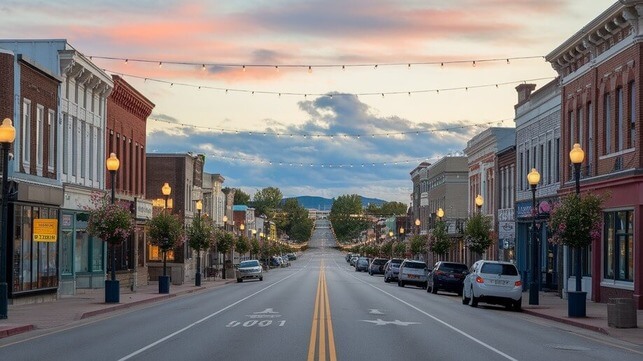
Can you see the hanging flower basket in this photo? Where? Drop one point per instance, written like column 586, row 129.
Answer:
column 577, row 221
column 110, row 222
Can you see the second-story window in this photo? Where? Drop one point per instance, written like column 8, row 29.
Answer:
column 40, row 130
column 618, row 130
column 608, row 123
column 632, row 93
column 26, row 131
column 51, row 142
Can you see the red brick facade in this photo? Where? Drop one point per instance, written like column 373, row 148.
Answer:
column 127, row 112
column 601, row 109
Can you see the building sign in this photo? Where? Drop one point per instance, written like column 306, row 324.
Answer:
column 506, row 228
column 45, row 230
column 144, row 209
column 523, row 210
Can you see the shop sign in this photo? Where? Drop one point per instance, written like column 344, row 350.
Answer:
column 144, row 209
column 45, row 230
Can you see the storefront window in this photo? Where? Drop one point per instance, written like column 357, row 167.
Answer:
column 97, row 255
column 81, row 252
column 34, row 263
column 618, row 247
column 155, row 254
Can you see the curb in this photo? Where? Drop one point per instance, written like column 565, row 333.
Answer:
column 567, row 321
column 10, row 331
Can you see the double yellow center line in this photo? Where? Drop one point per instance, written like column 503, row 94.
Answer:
column 321, row 331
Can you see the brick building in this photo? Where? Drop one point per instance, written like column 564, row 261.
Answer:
column 29, row 97
column 183, row 172
column 481, row 156
column 600, row 70
column 420, row 198
column 537, row 118
column 127, row 112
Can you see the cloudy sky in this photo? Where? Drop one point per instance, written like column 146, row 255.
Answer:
column 319, row 97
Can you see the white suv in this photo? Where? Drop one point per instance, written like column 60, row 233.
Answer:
column 412, row 272
column 493, row 282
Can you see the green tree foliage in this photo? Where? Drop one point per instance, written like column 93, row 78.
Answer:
column 399, row 249
column 388, row 209
column 267, row 200
column 242, row 245
column 418, row 244
column 347, row 218
column 440, row 242
column 386, row 249
column 241, row 197
column 255, row 248
column 293, row 220
column 225, row 241
column 110, row 222
column 476, row 233
column 577, row 221
column 200, row 233
column 165, row 231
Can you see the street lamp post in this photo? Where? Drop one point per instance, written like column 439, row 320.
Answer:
column 479, row 203
column 112, row 287
column 402, row 233
column 440, row 214
column 417, row 226
column 197, row 276
column 533, row 178
column 7, row 136
column 225, row 229
column 577, row 300
column 164, row 280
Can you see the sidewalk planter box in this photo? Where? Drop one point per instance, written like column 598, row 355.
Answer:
column 164, row 284
column 621, row 313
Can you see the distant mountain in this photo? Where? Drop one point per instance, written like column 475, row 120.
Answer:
column 325, row 204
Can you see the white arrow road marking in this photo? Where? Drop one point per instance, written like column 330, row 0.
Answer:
column 374, row 311
column 381, row 322
column 267, row 310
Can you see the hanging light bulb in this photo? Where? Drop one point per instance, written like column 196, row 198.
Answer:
column 203, row 67
column 243, row 68
column 473, row 63
column 310, row 69
column 343, row 67
column 160, row 64
column 126, row 61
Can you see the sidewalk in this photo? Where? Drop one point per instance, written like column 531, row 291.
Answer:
column 88, row 303
column 554, row 308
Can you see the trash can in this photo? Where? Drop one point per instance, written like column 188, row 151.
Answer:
column 621, row 313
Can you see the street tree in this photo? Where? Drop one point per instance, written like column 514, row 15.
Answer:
column 199, row 236
column 165, row 231
column 399, row 249
column 242, row 245
column 417, row 245
column 387, row 209
column 477, row 234
column 347, row 217
column 267, row 200
column 440, row 243
column 225, row 242
column 241, row 197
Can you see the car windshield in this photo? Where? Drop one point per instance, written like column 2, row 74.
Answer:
column 396, row 261
column 246, row 264
column 415, row 265
column 379, row 261
column 453, row 267
column 363, row 261
column 499, row 269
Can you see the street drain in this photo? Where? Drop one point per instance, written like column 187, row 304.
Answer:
column 569, row 348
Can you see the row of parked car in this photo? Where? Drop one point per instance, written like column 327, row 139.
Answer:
column 487, row 281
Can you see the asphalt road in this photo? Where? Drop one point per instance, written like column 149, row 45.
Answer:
column 318, row 309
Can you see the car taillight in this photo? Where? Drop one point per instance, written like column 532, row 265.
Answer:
column 518, row 283
column 439, row 273
column 479, row 280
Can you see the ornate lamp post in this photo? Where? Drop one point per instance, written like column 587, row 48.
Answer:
column 417, row 226
column 166, row 190
column 577, row 300
column 112, row 287
column 164, row 280
column 197, row 276
column 479, row 203
column 402, row 233
column 440, row 214
column 534, row 178
column 7, row 136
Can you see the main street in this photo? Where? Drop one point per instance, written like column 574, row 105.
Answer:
column 317, row 309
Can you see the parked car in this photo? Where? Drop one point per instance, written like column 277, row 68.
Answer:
column 448, row 276
column 291, row 256
column 391, row 269
column 348, row 257
column 493, row 282
column 377, row 266
column 353, row 260
column 362, row 264
column 248, row 270
column 412, row 272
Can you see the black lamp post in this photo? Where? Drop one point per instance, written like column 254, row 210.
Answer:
column 164, row 280
column 7, row 136
column 225, row 229
column 479, row 203
column 112, row 287
column 417, row 226
column 533, row 178
column 197, row 276
column 576, row 306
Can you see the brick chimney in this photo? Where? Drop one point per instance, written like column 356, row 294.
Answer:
column 524, row 91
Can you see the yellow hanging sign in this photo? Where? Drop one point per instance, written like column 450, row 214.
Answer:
column 45, row 230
